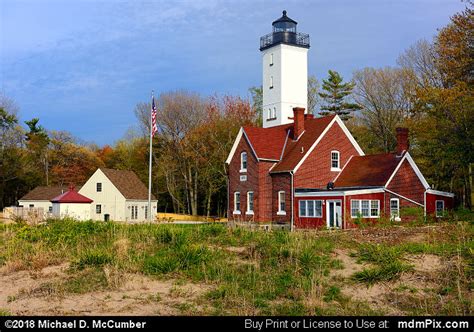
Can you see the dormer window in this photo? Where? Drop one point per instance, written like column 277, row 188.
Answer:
column 335, row 161
column 243, row 162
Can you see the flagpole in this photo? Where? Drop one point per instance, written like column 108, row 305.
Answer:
column 149, row 161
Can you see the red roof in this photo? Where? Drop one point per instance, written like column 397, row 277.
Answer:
column 268, row 143
column 296, row 150
column 71, row 196
column 371, row 170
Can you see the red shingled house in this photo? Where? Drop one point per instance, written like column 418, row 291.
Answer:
column 312, row 173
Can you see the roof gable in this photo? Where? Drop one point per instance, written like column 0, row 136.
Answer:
column 127, row 183
column 415, row 168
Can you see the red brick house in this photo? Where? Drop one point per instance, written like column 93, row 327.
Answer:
column 312, row 173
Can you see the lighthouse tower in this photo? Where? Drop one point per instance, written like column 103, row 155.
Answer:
column 285, row 71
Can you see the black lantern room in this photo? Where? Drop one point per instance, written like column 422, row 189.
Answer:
column 284, row 32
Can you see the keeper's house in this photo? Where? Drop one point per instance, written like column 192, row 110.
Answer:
column 310, row 172
column 108, row 194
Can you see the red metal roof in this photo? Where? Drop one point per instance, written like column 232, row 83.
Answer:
column 371, row 170
column 71, row 196
column 296, row 150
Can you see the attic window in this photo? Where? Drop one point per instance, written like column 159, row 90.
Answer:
column 243, row 162
column 99, row 187
column 335, row 161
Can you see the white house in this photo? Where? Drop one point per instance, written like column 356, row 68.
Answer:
column 71, row 204
column 41, row 197
column 118, row 195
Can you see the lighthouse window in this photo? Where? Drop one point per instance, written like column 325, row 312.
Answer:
column 271, row 82
column 271, row 59
column 274, row 113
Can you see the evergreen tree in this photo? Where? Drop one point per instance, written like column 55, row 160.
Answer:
column 335, row 97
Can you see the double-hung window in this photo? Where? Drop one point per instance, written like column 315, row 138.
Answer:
column 394, row 208
column 99, row 187
column 335, row 161
column 281, row 203
column 365, row 208
column 250, row 202
column 236, row 202
column 243, row 162
column 439, row 208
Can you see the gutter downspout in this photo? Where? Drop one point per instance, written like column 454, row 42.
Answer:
column 424, row 204
column 292, row 203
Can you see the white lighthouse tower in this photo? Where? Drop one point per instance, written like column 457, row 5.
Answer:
column 285, row 71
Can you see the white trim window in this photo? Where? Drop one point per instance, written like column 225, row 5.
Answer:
column 374, row 208
column 335, row 160
column 99, row 187
column 243, row 162
column 311, row 208
column 236, row 202
column 439, row 208
column 365, row 208
column 355, row 208
column 134, row 212
column 249, row 202
column 274, row 116
column 281, row 203
column 269, row 116
column 394, row 208
column 98, row 209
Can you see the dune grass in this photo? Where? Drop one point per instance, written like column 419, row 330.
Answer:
column 250, row 272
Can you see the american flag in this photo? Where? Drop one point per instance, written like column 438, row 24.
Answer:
column 154, row 128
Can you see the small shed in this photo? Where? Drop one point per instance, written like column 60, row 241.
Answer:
column 72, row 204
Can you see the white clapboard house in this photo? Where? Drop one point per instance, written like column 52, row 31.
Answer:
column 117, row 195
column 114, row 195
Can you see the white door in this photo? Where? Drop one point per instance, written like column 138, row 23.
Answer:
column 334, row 214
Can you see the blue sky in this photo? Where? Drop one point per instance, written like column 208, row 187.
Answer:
column 82, row 65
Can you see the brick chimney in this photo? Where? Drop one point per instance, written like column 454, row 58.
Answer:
column 298, row 122
column 402, row 140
